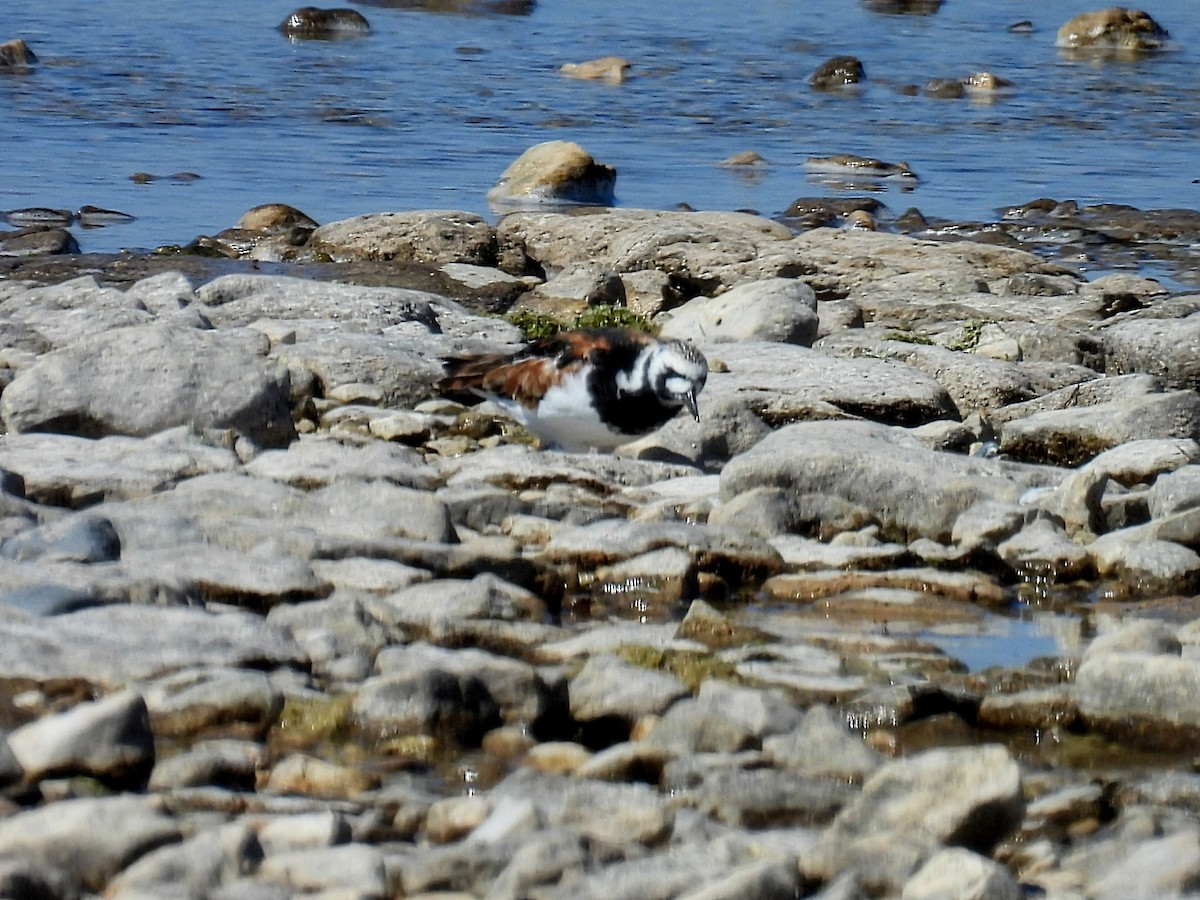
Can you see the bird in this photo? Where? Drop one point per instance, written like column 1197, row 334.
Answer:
column 594, row 388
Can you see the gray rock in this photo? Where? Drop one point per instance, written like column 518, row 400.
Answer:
column 1114, row 389
column 723, row 719
column 727, row 427
column 775, row 309
column 1143, row 460
column 524, row 697
column 766, row 798
column 433, row 237
column 185, row 702
column 356, row 870
column 356, row 510
column 520, row 468
column 222, row 763
column 660, row 877
column 53, row 311
column 257, row 580
column 1150, row 698
column 162, row 294
column 338, row 635
column 193, row 868
column 610, row 540
column 88, row 840
column 969, row 797
column 401, row 367
column 237, row 300
column 973, row 381
column 64, row 470
column 141, row 380
column 764, row 512
column 783, row 383
column 82, row 538
column 29, row 880
column 611, row 815
column 1152, row 866
column 1042, row 550
column 610, row 688
column 1073, row 436
column 959, row 873
column 765, row 880
column 541, row 859
column 1168, row 349
column 1175, row 491
column 908, row 489
column 108, row 645
column 437, row 606
column 313, row 462
column 109, row 740
column 988, row 522
column 429, row 702
column 1150, row 565
column 823, row 747
column 706, row 251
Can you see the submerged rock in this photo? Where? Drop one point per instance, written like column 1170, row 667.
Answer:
column 837, row 72
column 613, row 69
column 309, row 22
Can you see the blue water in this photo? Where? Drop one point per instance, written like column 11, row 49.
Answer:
column 430, row 108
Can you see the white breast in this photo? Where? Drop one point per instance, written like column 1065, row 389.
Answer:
column 566, row 418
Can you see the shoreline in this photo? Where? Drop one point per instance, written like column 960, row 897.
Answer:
column 305, row 626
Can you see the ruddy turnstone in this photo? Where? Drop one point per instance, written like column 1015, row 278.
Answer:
column 594, row 388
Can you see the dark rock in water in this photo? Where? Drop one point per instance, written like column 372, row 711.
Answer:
column 945, row 88
column 460, row 7
column 95, row 217
column 837, row 72
column 312, row 23
column 904, row 7
column 814, row 212
column 15, row 55
column 35, row 216
column 849, row 166
column 37, row 242
column 1115, row 29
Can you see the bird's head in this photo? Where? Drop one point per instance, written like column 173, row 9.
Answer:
column 678, row 372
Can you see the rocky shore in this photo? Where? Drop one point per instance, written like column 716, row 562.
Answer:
column 279, row 621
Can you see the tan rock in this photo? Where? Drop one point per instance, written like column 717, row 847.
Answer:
column 16, row 54
column 613, row 69
column 1115, row 28
column 274, row 217
column 555, row 172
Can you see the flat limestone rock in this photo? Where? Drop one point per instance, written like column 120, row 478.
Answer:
column 144, row 379
column 435, row 237
column 705, row 250
column 907, row 488
column 112, row 645
column 783, row 383
column 68, row 470
column 1071, row 437
column 89, row 839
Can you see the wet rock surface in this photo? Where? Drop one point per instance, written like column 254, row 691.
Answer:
column 910, row 612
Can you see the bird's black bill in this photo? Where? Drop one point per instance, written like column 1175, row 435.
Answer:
column 690, row 400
